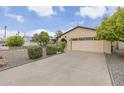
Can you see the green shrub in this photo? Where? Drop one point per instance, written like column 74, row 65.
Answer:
column 34, row 52
column 51, row 50
column 14, row 41
column 61, row 46
column 60, row 49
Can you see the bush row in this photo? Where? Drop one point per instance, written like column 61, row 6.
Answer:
column 36, row 51
column 61, row 46
column 50, row 50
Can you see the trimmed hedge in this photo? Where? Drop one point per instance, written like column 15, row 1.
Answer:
column 34, row 52
column 50, row 50
column 61, row 47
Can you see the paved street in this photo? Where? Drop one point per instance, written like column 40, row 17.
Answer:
column 72, row 68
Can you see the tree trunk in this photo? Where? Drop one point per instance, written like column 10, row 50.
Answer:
column 44, row 51
column 117, row 47
column 111, row 46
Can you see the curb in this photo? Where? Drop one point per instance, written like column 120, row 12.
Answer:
column 110, row 72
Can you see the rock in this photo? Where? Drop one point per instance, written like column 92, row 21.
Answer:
column 3, row 62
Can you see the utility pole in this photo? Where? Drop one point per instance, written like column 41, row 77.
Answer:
column 5, row 27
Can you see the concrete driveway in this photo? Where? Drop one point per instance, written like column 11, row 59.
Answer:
column 72, row 68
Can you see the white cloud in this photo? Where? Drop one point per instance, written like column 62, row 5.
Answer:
column 14, row 16
column 61, row 8
column 9, row 33
column 95, row 12
column 37, row 31
column 42, row 10
column 111, row 10
column 92, row 12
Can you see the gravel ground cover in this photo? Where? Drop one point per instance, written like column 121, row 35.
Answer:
column 15, row 57
column 116, row 66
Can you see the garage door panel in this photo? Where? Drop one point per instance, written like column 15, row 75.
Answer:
column 88, row 45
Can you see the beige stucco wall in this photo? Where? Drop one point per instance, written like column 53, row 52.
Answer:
column 107, row 46
column 121, row 45
column 78, row 32
column 85, row 45
column 118, row 44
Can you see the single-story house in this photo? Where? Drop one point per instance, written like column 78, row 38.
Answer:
column 83, row 39
column 28, row 41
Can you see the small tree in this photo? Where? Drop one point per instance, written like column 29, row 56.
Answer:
column 42, row 39
column 112, row 28
column 15, row 41
column 59, row 33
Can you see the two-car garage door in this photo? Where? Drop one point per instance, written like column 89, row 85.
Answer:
column 91, row 45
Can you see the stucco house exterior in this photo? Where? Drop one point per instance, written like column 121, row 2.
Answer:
column 83, row 39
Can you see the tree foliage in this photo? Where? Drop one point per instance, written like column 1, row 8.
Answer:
column 42, row 39
column 14, row 41
column 112, row 28
column 35, row 38
column 61, row 46
column 59, row 33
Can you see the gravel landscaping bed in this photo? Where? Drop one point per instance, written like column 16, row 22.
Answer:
column 15, row 57
column 116, row 66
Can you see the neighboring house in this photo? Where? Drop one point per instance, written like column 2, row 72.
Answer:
column 83, row 39
column 52, row 39
column 27, row 38
column 28, row 41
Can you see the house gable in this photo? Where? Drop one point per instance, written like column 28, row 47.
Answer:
column 78, row 32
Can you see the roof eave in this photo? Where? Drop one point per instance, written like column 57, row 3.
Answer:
column 75, row 28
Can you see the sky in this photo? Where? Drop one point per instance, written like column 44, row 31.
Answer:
column 29, row 20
